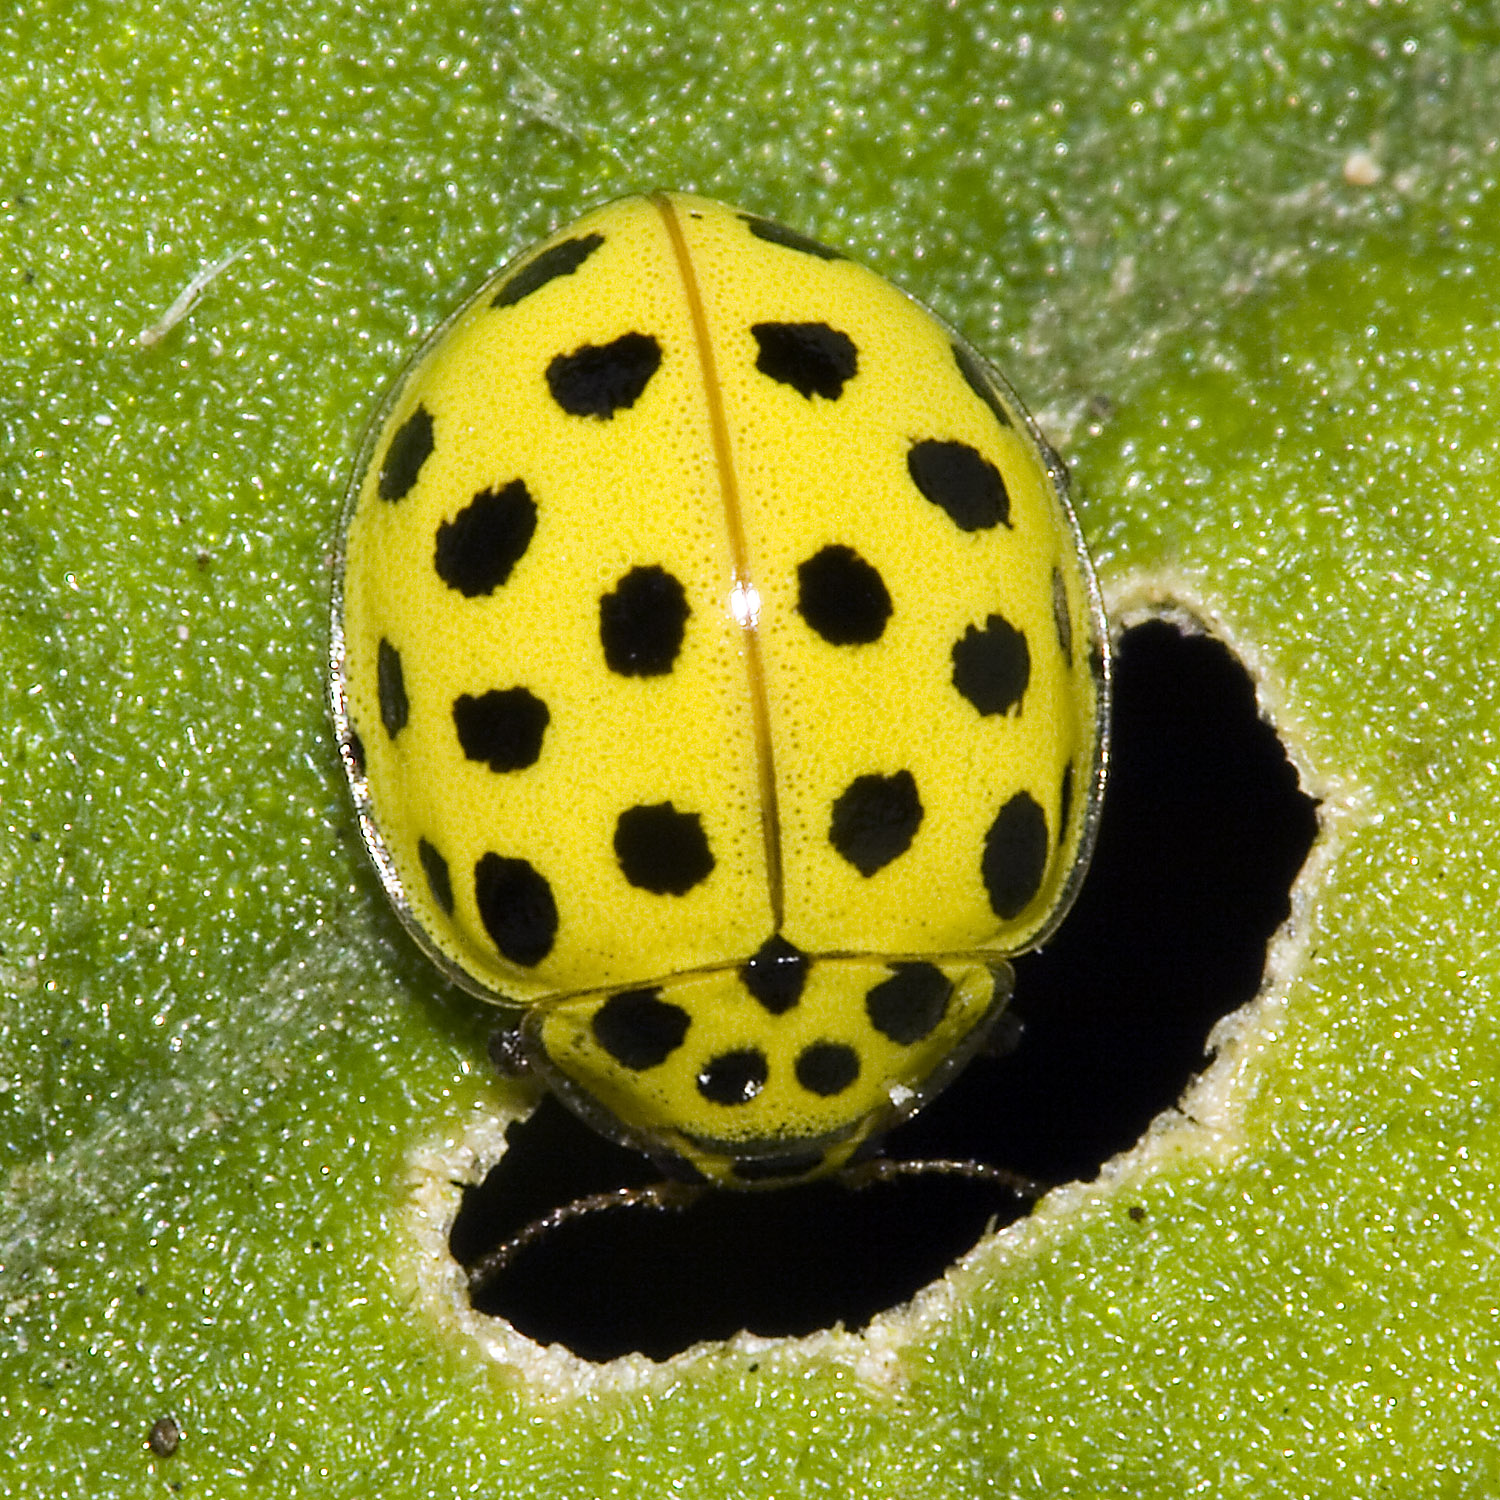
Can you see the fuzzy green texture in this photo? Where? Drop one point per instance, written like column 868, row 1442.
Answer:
column 216, row 1048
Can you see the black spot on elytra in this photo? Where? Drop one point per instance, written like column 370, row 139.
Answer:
column 560, row 260
column 1062, row 618
column 639, row 1029
column 503, row 727
column 600, row 380
column 477, row 549
column 1015, row 856
column 435, row 868
column 641, row 622
column 908, row 1006
column 1065, row 801
column 842, row 597
column 875, row 819
column 977, row 378
column 812, row 358
column 827, row 1068
column 791, row 239
column 517, row 908
column 991, row 666
column 775, row 974
column 734, row 1077
column 662, row 850
column 407, row 451
column 961, row 481
column 390, row 687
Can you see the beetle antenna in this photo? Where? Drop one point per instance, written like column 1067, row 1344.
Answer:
column 664, row 1195
column 884, row 1169
column 676, row 1196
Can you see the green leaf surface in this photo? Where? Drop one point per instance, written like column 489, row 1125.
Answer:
column 1240, row 258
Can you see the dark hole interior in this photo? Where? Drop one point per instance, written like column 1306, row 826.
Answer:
column 1203, row 833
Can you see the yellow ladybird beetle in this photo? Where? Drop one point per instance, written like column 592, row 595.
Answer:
column 722, row 682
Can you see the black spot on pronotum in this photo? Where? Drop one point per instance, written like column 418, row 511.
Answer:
column 791, row 239
column 407, row 451
column 908, row 1006
column 662, row 850
column 991, row 666
column 775, row 974
column 977, row 378
column 1015, row 856
column 503, row 727
column 435, row 868
column 827, row 1068
column 875, row 819
column 478, row 548
column 641, row 622
column 812, row 358
column 733, row 1077
column 600, row 380
column 390, row 687
column 960, row 481
column 559, row 260
column 842, row 597
column 639, row 1029
column 517, row 908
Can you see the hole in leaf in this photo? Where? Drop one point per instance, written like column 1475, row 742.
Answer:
column 1203, row 833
